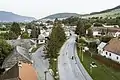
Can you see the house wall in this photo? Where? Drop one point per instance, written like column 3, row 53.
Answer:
column 96, row 33
column 41, row 41
column 100, row 51
column 117, row 34
column 110, row 55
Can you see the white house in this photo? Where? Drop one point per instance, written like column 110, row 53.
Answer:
column 110, row 50
column 113, row 26
column 42, row 31
column 96, row 31
column 67, row 33
column 49, row 26
column 117, row 34
column 41, row 39
column 22, row 28
column 102, row 31
column 29, row 31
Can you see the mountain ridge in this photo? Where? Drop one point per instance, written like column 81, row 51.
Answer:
column 113, row 12
column 61, row 15
column 12, row 17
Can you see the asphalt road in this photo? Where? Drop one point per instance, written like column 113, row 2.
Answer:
column 69, row 66
column 41, row 65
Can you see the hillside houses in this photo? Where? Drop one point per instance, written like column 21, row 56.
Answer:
column 110, row 50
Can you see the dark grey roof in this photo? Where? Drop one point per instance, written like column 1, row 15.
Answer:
column 19, row 54
column 12, row 73
column 26, row 43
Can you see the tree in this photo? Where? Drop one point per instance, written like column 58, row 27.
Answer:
column 15, row 28
column 57, row 39
column 80, row 29
column 12, row 35
column 39, row 30
column 34, row 33
column 5, row 50
column 55, row 42
column 90, row 33
column 87, row 25
column 8, row 35
column 25, row 35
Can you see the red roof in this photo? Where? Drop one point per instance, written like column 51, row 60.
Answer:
column 27, row 72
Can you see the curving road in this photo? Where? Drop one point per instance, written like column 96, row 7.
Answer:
column 69, row 66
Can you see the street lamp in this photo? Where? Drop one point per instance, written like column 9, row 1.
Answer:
column 45, row 75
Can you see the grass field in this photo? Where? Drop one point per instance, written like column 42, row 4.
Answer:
column 101, row 72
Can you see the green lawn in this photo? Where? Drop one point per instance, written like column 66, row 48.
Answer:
column 101, row 72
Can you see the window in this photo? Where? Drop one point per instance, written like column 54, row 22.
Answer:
column 117, row 57
column 106, row 53
column 110, row 54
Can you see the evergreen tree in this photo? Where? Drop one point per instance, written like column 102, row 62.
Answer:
column 90, row 33
column 80, row 29
column 57, row 39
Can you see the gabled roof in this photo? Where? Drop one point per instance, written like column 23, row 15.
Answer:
column 20, row 42
column 41, row 37
column 101, row 45
column 113, row 46
column 19, row 54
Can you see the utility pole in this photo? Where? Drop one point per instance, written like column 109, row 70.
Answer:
column 82, row 52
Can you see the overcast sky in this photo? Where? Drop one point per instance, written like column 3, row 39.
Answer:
column 42, row 8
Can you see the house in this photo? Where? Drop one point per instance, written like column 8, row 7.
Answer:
column 105, row 31
column 67, row 33
column 41, row 39
column 22, row 29
column 117, row 34
column 20, row 71
column 110, row 50
column 17, row 66
column 29, row 31
column 113, row 26
column 49, row 26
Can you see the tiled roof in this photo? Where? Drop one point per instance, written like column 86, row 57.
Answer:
column 113, row 46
